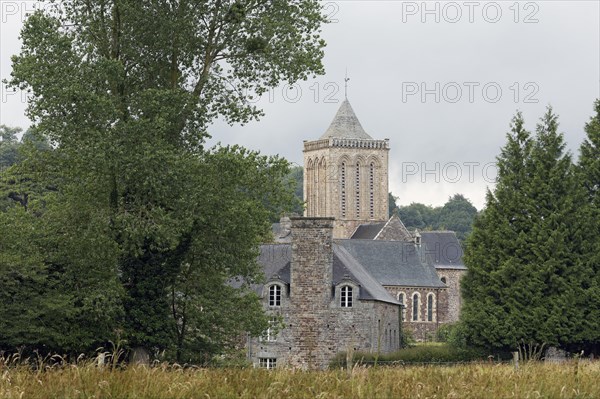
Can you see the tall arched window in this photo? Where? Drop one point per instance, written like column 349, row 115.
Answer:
column 372, row 190
column 430, row 307
column 346, row 297
column 415, row 309
column 401, row 300
column 309, row 190
column 357, row 189
column 275, row 295
column 343, row 188
column 322, row 188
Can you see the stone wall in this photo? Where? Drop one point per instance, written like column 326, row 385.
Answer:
column 311, row 279
column 328, row 164
column 315, row 324
column 368, row 326
column 451, row 297
column 422, row 329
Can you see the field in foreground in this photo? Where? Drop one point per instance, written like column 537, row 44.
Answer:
column 466, row 381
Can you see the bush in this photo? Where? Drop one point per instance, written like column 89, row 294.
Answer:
column 444, row 353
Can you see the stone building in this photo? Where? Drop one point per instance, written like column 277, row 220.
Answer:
column 346, row 275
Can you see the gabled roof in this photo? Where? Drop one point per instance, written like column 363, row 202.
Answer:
column 393, row 262
column 394, row 230
column 345, row 264
column 276, row 262
column 345, row 125
column 442, row 250
column 367, row 231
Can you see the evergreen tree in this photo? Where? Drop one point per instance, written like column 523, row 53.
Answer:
column 526, row 280
column 589, row 167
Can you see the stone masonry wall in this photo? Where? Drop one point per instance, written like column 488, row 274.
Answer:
column 322, row 188
column 451, row 296
column 422, row 329
column 311, row 280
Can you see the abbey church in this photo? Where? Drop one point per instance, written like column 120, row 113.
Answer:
column 346, row 276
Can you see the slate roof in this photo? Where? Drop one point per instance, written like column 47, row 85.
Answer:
column 346, row 264
column 442, row 250
column 393, row 262
column 367, row 231
column 276, row 262
column 345, row 125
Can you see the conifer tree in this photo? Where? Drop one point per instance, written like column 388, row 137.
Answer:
column 589, row 168
column 526, row 282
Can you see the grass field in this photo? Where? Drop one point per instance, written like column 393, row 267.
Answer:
column 536, row 380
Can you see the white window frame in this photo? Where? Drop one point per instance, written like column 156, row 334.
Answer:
column 274, row 295
column 268, row 363
column 346, row 297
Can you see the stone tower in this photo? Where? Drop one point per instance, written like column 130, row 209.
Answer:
column 346, row 175
column 311, row 282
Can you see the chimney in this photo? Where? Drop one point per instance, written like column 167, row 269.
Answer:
column 311, row 280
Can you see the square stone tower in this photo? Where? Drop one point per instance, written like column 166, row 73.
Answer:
column 311, row 282
column 346, row 175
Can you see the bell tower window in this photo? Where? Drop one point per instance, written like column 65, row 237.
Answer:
column 343, row 188
column 357, row 190
column 372, row 190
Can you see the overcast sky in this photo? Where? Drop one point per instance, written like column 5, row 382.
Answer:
column 441, row 80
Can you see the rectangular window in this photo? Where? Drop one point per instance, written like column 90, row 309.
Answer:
column 275, row 295
column 346, row 297
column 270, row 334
column 267, row 362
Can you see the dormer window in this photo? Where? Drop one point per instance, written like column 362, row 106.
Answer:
column 346, row 297
column 274, row 295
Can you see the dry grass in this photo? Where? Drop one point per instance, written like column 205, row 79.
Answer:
column 535, row 380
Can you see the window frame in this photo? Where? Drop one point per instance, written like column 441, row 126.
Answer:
column 268, row 363
column 346, row 296
column 416, row 298
column 274, row 295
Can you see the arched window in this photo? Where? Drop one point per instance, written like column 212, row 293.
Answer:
column 415, row 310
column 357, row 189
column 401, row 300
column 443, row 280
column 372, row 190
column 346, row 297
column 430, row 307
column 275, row 295
column 343, row 188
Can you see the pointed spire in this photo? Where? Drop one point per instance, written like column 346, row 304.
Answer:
column 345, row 125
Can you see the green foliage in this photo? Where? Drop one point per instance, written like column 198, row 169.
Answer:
column 589, row 173
column 392, row 206
column 527, row 279
column 295, row 179
column 416, row 354
column 9, row 144
column 137, row 219
column 457, row 215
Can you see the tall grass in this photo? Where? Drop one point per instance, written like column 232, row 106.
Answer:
column 87, row 380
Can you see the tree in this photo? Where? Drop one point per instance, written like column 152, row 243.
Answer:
column 392, row 206
column 526, row 278
column 457, row 215
column 589, row 167
column 126, row 91
column 9, row 144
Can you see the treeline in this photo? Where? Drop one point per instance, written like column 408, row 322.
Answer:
column 457, row 215
column 533, row 257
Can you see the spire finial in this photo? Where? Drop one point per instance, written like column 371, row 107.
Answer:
column 346, row 79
